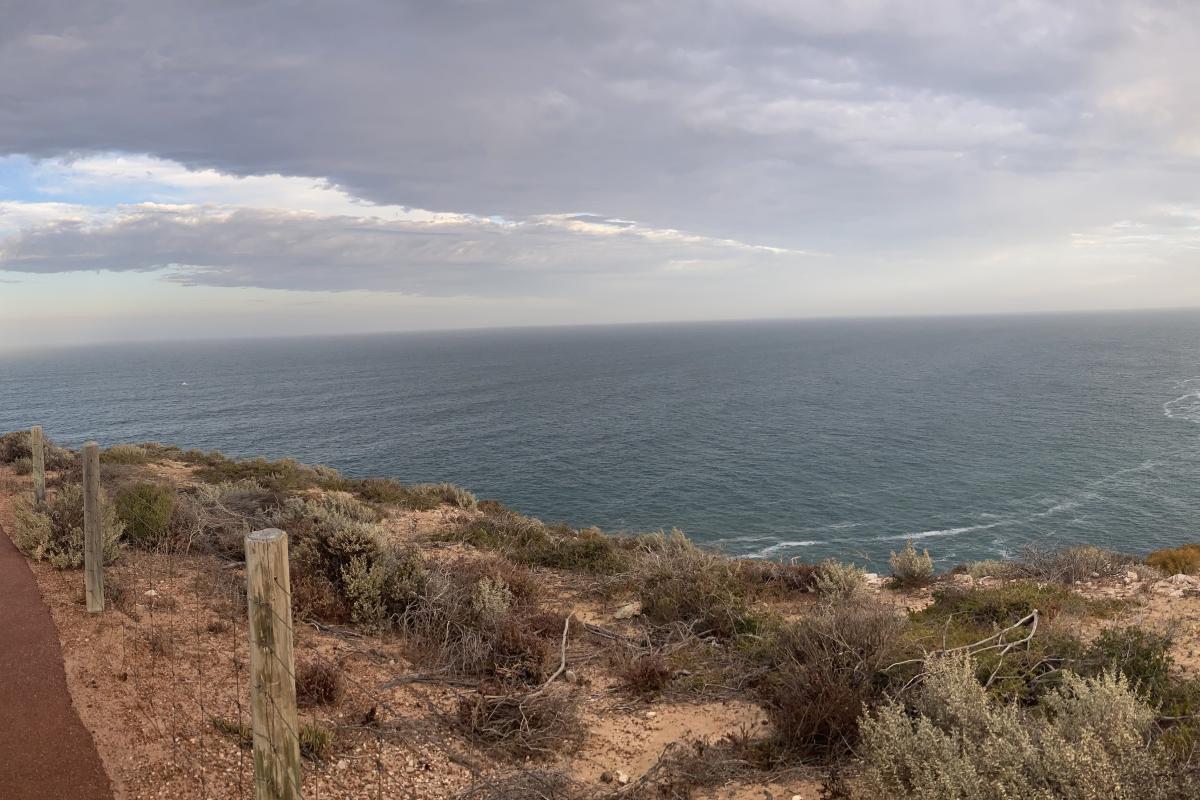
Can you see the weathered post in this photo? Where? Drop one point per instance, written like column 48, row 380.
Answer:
column 272, row 667
column 93, row 536
column 37, row 447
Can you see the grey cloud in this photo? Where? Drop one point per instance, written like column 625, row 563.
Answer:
column 286, row 250
column 848, row 127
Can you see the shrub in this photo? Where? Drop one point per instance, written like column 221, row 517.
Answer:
column 529, row 725
column 1142, row 657
column 419, row 497
column 124, row 454
column 16, row 445
column 469, row 620
column 1088, row 739
column 318, row 683
column 839, row 581
column 529, row 541
column 774, row 577
column 1182, row 560
column 316, row 742
column 1000, row 605
column 55, row 533
column 1072, row 564
column 146, row 510
column 226, row 512
column 679, row 582
column 824, row 669
column 647, row 675
column 23, row 465
column 279, row 476
column 381, row 586
column 911, row 569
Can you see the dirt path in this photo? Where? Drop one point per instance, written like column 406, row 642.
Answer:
column 45, row 752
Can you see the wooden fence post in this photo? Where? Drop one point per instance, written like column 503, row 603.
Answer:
column 272, row 667
column 37, row 447
column 93, row 536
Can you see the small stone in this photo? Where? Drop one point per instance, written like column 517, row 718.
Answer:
column 572, row 676
column 629, row 610
column 622, row 778
column 651, row 714
column 151, row 593
column 1095, row 574
column 342, row 763
column 607, row 777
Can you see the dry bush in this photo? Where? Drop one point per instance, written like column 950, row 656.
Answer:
column 526, row 784
column 1071, row 564
column 160, row 642
column 54, row 532
column 529, row 725
column 318, row 683
column 1091, row 738
column 16, row 445
column 679, row 582
column 647, row 674
column 1182, row 560
column 990, row 568
column 777, row 578
column 23, row 465
column 224, row 513
column 911, row 569
column 418, row 497
column 688, row 767
column 824, row 669
column 839, row 581
column 470, row 621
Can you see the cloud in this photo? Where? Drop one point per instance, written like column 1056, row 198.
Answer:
column 939, row 154
column 438, row 256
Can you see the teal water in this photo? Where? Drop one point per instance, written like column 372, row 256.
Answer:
column 973, row 436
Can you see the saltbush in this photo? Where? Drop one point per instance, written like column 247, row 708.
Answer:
column 911, row 569
column 838, row 580
column 1090, row 738
column 54, row 532
column 125, row 454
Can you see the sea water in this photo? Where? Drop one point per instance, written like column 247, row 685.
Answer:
column 972, row 437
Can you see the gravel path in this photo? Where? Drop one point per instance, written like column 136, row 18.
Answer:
column 45, row 752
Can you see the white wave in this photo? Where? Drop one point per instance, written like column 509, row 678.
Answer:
column 1186, row 407
column 775, row 548
column 942, row 532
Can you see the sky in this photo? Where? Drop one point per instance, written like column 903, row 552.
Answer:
column 173, row 169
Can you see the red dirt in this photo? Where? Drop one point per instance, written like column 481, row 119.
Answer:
column 45, row 752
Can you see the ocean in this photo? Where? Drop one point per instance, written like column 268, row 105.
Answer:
column 835, row 438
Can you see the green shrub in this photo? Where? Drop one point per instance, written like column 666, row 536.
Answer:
column 1091, row 738
column 54, row 533
column 911, row 569
column 1142, row 657
column 279, row 476
column 146, row 510
column 679, row 582
column 124, row 454
column 418, row 497
column 1000, row 605
column 1182, row 560
column 839, row 581
column 529, row 541
column 23, row 465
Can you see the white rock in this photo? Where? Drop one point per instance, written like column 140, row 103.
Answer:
column 622, row 778
column 151, row 593
column 963, row 579
column 629, row 610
